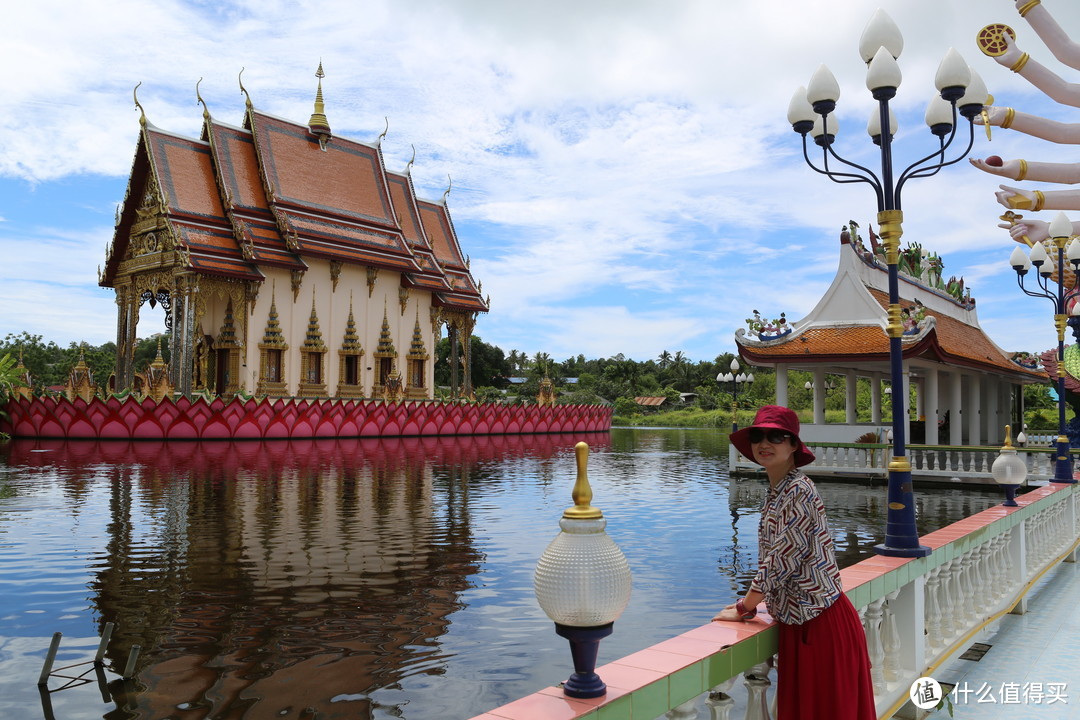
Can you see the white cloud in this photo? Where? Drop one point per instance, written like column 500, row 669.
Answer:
column 624, row 177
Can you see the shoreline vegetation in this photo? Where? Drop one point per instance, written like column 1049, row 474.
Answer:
column 671, row 391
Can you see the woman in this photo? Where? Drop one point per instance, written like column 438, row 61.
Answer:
column 823, row 669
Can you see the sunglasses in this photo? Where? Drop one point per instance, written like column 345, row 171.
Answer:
column 775, row 437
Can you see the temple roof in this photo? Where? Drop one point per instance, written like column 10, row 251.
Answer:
column 846, row 329
column 276, row 193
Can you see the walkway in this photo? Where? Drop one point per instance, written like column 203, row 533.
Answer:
column 1032, row 668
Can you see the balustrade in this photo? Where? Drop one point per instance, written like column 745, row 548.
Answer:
column 928, row 462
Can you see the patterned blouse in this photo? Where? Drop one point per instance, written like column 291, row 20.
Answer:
column 797, row 569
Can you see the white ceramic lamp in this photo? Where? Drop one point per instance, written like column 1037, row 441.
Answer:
column 582, row 582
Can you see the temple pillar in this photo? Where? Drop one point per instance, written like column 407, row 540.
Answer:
column 452, row 335
column 991, row 414
column 819, row 395
column 875, row 398
column 930, row 385
column 956, row 397
column 782, row 384
column 974, row 423
column 123, row 316
column 851, row 387
column 470, row 323
column 1021, row 409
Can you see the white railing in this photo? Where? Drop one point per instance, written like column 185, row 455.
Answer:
column 924, row 613
column 928, row 462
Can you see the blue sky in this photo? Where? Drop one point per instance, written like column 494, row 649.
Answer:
column 624, row 177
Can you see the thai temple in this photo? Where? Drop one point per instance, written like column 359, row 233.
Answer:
column 967, row 388
column 289, row 261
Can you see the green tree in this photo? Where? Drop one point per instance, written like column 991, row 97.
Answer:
column 489, row 366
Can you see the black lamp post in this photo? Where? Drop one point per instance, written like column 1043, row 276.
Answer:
column 735, row 378
column 811, row 112
column 1060, row 232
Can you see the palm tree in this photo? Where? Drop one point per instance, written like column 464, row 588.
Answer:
column 664, row 360
column 515, row 360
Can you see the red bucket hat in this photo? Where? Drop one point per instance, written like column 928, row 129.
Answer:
column 773, row 417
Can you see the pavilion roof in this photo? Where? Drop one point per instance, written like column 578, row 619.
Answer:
column 947, row 339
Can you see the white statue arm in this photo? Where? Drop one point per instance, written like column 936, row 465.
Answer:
column 1018, row 170
column 1048, row 30
column 1040, row 127
column 1038, row 75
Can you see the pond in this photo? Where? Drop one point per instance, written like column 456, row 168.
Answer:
column 350, row 578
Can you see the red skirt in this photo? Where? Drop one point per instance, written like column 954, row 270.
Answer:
column 823, row 669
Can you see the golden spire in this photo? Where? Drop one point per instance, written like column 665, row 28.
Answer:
column 417, row 351
column 318, row 124
column 313, row 341
column 386, row 343
column 351, row 342
column 582, row 493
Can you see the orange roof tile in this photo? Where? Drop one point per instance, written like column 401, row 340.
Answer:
column 346, row 178
column 186, row 175
column 238, row 167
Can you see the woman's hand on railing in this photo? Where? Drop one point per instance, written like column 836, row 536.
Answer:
column 728, row 614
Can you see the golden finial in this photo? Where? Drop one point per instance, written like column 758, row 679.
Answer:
column 240, row 79
column 318, row 124
column 142, row 113
column 1008, row 438
column 378, row 142
column 582, row 494
column 198, row 97
column 446, row 194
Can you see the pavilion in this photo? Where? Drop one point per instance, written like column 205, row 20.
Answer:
column 967, row 388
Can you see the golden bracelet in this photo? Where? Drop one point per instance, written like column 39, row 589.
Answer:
column 1019, row 64
column 1010, row 115
column 1040, row 200
column 1026, row 7
column 1023, row 170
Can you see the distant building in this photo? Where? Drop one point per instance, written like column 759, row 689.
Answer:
column 289, row 262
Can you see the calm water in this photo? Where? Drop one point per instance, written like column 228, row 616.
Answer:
column 360, row 578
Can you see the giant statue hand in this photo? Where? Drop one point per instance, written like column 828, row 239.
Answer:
column 1007, row 196
column 1027, row 231
column 996, row 166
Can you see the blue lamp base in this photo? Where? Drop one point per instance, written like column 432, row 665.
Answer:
column 584, row 647
column 1010, row 494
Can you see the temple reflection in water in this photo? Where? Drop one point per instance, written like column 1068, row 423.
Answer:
column 330, row 566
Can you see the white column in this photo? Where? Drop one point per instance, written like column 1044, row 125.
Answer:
column 995, row 429
column 781, row 385
column 1023, row 410
column 956, row 417
column 974, row 423
column 819, row 395
column 875, row 398
column 931, row 406
column 851, row 385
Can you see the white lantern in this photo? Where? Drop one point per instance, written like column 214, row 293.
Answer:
column 1009, row 470
column 583, row 583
